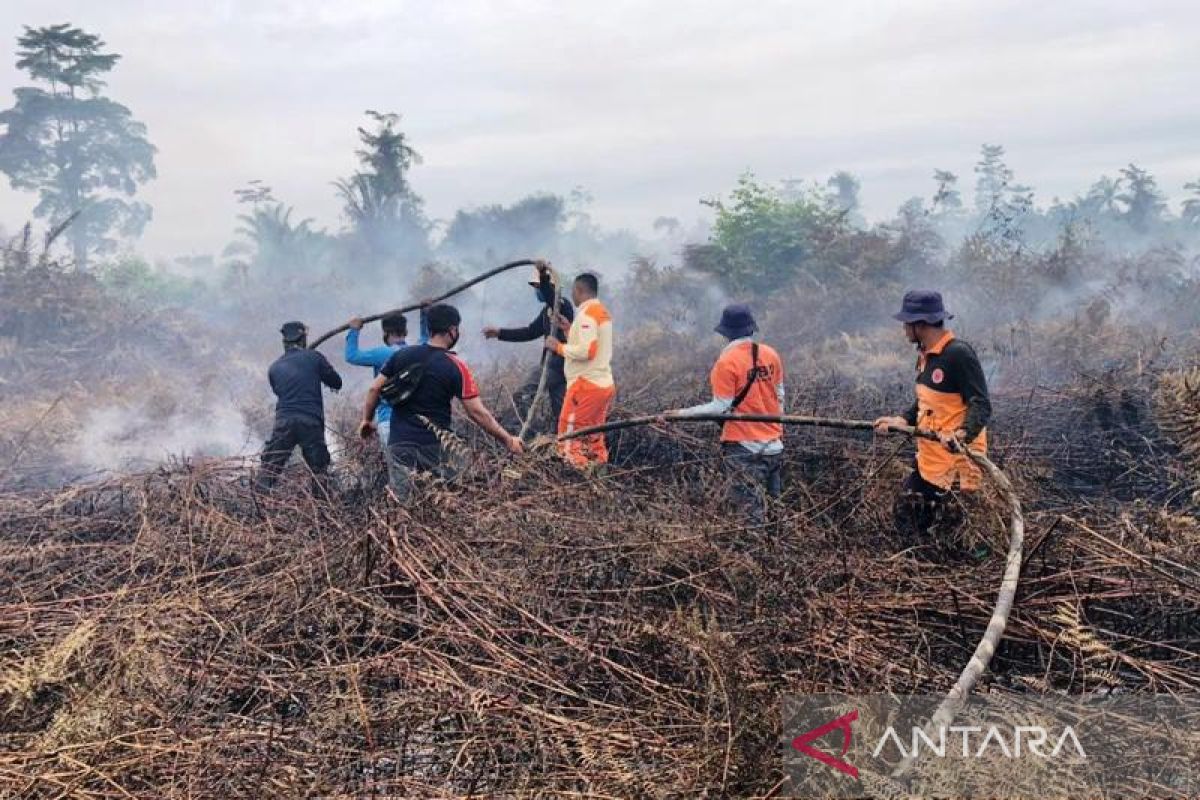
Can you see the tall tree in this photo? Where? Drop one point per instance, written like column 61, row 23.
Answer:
column 763, row 239
column 386, row 216
column 82, row 152
column 947, row 199
column 1191, row 206
column 1144, row 203
column 994, row 177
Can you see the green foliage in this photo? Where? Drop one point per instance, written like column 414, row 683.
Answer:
column 81, row 152
column 762, row 239
column 131, row 277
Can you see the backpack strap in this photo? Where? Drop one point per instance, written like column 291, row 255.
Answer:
column 750, row 377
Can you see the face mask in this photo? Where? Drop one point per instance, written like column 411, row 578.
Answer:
column 453, row 338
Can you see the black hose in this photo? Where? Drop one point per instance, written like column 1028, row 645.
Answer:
column 524, row 262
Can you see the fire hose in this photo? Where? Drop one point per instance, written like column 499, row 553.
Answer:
column 954, row 700
column 552, row 318
column 462, row 287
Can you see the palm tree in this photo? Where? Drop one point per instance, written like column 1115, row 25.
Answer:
column 1102, row 196
column 272, row 244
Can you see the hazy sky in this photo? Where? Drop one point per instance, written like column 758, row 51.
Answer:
column 650, row 105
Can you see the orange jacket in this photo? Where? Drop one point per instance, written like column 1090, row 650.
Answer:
column 951, row 395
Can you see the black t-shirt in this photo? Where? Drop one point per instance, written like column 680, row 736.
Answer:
column 445, row 378
column 956, row 370
column 296, row 378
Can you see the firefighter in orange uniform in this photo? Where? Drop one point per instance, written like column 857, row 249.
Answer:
column 952, row 401
column 587, row 364
column 747, row 379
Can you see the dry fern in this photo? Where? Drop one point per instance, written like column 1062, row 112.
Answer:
column 51, row 667
column 1177, row 407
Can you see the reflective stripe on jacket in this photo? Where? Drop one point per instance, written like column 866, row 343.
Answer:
column 951, row 395
column 588, row 350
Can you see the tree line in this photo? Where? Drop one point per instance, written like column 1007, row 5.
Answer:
column 86, row 156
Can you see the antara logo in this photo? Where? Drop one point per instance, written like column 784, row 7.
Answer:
column 976, row 742
column 844, row 724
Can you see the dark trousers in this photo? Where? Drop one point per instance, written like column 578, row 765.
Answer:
column 923, row 507
column 755, row 480
column 288, row 433
column 556, row 390
column 407, row 460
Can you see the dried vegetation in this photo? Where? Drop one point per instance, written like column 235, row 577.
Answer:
column 530, row 632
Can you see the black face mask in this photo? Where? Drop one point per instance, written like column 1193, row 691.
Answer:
column 453, row 337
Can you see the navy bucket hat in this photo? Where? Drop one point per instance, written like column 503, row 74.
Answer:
column 922, row 305
column 736, row 322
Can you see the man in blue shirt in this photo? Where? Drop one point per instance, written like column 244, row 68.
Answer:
column 395, row 331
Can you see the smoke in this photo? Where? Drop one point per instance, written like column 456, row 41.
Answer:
column 184, row 362
column 119, row 438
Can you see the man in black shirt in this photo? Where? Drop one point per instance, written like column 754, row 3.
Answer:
column 296, row 378
column 438, row 377
column 543, row 282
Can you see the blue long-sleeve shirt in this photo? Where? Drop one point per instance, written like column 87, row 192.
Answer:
column 376, row 357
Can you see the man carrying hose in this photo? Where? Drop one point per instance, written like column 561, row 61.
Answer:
column 747, row 379
column 587, row 363
column 296, row 378
column 435, row 376
column 543, row 281
column 952, row 401
column 395, row 331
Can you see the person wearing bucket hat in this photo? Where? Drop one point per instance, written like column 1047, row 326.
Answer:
column 542, row 280
column 747, row 379
column 296, row 378
column 951, row 400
